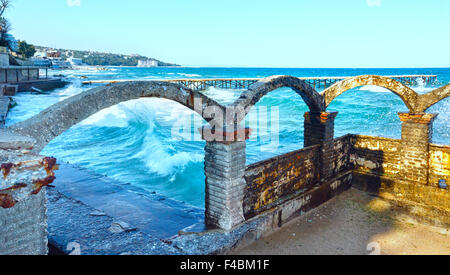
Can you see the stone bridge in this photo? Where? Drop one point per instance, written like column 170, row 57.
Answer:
column 407, row 171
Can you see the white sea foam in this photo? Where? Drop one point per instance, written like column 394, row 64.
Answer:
column 73, row 89
column 121, row 115
column 172, row 115
column 113, row 116
column 420, row 88
column 375, row 89
column 161, row 158
column 223, row 96
column 189, row 75
column 156, row 152
column 159, row 161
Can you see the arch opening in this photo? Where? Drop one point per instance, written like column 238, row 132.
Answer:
column 368, row 110
column 441, row 134
column 277, row 122
column 257, row 91
column 406, row 94
column 432, row 98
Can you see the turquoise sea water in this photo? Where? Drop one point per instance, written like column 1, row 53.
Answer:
column 137, row 141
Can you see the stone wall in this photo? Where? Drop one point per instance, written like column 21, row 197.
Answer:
column 379, row 166
column 373, row 164
column 382, row 157
column 286, row 177
column 276, row 178
column 439, row 164
column 375, row 155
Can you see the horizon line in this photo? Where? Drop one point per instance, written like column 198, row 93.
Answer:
column 268, row 67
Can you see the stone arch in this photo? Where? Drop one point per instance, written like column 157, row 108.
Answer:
column 59, row 117
column 408, row 95
column 261, row 88
column 427, row 100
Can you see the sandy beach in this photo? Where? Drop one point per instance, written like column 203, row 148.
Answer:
column 353, row 223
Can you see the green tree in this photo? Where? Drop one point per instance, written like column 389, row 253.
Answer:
column 25, row 49
column 5, row 26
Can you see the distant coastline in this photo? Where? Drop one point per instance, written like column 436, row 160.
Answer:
column 96, row 58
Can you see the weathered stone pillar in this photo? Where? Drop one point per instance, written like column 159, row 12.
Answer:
column 414, row 150
column 319, row 129
column 23, row 210
column 225, row 183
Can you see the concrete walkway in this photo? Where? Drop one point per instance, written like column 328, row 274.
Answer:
column 158, row 216
column 353, row 223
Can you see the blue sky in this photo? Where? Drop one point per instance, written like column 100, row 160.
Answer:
column 246, row 33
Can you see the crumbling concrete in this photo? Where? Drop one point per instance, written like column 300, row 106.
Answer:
column 23, row 218
column 13, row 141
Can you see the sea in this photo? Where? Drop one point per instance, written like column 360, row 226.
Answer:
column 153, row 144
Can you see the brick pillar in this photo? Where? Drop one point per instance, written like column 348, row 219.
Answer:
column 319, row 129
column 414, row 151
column 225, row 183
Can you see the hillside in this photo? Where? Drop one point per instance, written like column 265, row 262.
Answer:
column 103, row 59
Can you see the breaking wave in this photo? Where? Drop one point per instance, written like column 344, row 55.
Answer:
column 153, row 122
column 162, row 158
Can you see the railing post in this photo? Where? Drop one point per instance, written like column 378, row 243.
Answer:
column 414, row 150
column 225, row 183
column 319, row 129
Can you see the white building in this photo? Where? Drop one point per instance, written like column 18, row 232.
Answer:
column 147, row 63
